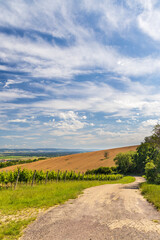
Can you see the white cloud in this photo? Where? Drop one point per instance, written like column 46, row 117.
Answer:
column 86, row 51
column 149, row 19
column 53, row 61
column 67, row 123
column 119, row 121
column 112, row 16
column 14, row 94
column 150, row 122
column 18, row 120
column 100, row 97
column 13, row 82
column 66, row 115
column 43, row 59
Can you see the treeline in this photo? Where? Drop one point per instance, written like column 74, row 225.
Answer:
column 16, row 162
column 28, row 176
column 146, row 160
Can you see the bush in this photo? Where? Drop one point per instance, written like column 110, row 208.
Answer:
column 150, row 171
column 125, row 162
column 101, row 170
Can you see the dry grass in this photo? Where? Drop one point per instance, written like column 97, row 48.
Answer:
column 77, row 162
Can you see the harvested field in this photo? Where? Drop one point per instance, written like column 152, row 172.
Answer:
column 77, row 162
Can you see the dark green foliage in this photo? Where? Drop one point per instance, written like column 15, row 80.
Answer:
column 150, row 171
column 114, row 169
column 102, row 170
column 125, row 162
column 145, row 161
column 146, row 152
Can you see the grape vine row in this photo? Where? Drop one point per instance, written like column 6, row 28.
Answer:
column 26, row 176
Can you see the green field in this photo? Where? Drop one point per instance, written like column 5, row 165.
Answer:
column 152, row 193
column 21, row 206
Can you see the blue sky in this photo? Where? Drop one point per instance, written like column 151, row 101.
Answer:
column 78, row 74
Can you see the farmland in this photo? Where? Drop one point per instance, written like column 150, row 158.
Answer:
column 78, row 162
column 38, row 190
column 29, row 176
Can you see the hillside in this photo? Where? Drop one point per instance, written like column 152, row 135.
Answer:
column 78, row 162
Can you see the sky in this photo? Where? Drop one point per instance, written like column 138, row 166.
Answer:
column 78, row 73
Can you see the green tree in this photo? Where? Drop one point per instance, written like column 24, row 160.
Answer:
column 154, row 139
column 145, row 153
column 125, row 162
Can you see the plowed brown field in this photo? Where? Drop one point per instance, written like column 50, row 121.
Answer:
column 77, row 162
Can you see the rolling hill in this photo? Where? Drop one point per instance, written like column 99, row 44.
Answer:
column 77, row 162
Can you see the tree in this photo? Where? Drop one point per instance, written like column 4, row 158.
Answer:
column 154, row 139
column 125, row 162
column 145, row 153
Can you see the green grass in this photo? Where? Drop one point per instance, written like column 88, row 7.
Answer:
column 19, row 207
column 41, row 195
column 152, row 193
column 13, row 229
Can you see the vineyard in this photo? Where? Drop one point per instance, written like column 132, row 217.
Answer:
column 32, row 177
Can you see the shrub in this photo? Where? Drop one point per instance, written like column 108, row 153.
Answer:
column 150, row 171
column 106, row 155
column 100, row 170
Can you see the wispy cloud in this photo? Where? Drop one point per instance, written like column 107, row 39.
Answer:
column 41, row 58
column 18, row 120
column 76, row 71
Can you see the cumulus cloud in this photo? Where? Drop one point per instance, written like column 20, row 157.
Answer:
column 67, row 123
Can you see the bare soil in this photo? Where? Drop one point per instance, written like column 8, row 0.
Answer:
column 107, row 212
column 77, row 162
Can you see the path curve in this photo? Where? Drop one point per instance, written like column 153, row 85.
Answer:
column 106, row 212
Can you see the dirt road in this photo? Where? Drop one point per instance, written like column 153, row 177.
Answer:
column 105, row 212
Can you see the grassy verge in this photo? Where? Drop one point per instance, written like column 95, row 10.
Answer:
column 21, row 206
column 152, row 193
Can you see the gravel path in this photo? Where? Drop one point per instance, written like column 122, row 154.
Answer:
column 104, row 212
